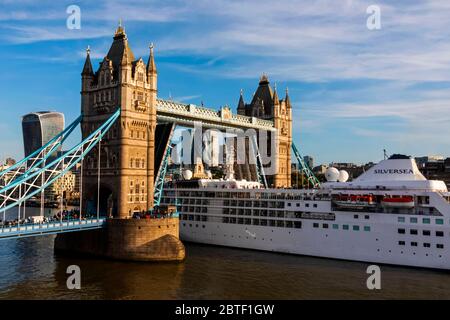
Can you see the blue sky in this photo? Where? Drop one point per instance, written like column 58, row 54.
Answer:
column 355, row 91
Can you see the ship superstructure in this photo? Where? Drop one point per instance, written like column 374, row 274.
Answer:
column 390, row 214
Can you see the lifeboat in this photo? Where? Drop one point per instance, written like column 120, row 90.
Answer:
column 398, row 202
column 354, row 201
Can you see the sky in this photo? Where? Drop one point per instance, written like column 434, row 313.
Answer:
column 354, row 91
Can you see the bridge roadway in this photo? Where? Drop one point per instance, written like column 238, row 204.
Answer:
column 53, row 227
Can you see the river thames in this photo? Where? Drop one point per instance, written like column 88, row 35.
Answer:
column 31, row 270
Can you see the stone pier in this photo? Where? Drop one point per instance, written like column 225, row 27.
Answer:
column 127, row 239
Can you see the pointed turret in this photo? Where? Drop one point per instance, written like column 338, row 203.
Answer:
column 87, row 69
column 120, row 53
column 264, row 93
column 275, row 99
column 241, row 104
column 287, row 100
column 151, row 66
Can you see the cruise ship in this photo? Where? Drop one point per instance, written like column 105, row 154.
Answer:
column 391, row 214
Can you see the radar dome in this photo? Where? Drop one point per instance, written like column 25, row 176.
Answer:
column 332, row 174
column 187, row 174
column 343, row 176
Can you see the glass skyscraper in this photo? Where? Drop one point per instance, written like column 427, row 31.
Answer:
column 39, row 128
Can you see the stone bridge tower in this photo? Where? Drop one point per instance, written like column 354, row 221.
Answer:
column 266, row 105
column 127, row 151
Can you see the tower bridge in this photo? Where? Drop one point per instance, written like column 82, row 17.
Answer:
column 122, row 151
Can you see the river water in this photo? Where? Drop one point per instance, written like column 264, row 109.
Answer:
column 30, row 270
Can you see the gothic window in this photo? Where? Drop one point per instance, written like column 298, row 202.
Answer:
column 141, row 77
column 131, row 162
column 143, row 163
column 140, row 96
column 138, row 163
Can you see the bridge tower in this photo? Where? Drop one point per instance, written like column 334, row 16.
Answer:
column 266, row 105
column 127, row 152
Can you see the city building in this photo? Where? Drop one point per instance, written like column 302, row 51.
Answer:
column 309, row 161
column 39, row 128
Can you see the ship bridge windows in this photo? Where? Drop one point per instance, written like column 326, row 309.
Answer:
column 401, row 219
column 355, row 228
column 413, row 220
column 439, row 221
column 426, row 220
column 345, row 226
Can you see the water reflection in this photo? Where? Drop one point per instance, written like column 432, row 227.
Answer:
column 30, row 270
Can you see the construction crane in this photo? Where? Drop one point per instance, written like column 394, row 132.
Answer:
column 312, row 179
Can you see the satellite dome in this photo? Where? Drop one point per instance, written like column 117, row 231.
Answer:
column 187, row 174
column 343, row 176
column 332, row 174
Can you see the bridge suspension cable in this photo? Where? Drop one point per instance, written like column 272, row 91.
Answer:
column 305, row 169
column 36, row 179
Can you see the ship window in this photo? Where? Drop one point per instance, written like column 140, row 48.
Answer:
column 289, row 204
column 426, row 232
column 440, row 246
column 325, row 225
column 315, row 205
column 366, row 217
column 426, row 220
column 355, row 216
column 307, row 205
column 335, row 226
column 401, row 219
column 413, row 231
column 355, row 228
column 414, row 244
column 401, row 231
column 426, row 245
column 297, row 224
column 298, row 204
column 401, row 243
column 366, row 228
column 439, row 233
column 413, row 220
column 345, row 226
column 439, row 221
column 315, row 225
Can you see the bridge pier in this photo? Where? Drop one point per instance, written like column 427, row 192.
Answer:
column 127, row 239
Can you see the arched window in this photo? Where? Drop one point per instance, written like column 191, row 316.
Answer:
column 131, row 164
